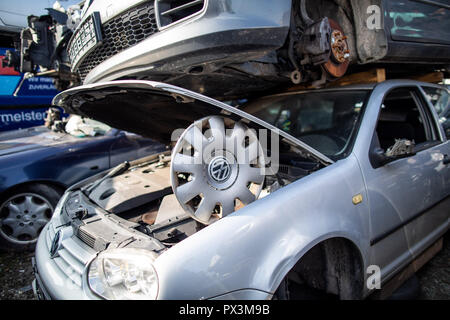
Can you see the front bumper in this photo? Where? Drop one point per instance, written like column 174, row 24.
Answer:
column 236, row 32
column 39, row 290
column 61, row 277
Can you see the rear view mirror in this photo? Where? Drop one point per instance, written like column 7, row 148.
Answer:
column 402, row 148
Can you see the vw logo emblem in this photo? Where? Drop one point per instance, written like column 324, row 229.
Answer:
column 55, row 244
column 219, row 169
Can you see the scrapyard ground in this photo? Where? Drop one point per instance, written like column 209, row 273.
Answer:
column 16, row 276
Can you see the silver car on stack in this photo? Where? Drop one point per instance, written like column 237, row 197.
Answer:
column 362, row 181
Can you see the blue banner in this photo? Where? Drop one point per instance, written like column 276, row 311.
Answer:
column 21, row 118
column 28, row 107
column 38, row 87
column 14, row 119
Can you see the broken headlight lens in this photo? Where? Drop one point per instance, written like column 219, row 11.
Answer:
column 124, row 274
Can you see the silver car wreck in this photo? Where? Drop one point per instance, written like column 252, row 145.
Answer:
column 222, row 48
column 362, row 180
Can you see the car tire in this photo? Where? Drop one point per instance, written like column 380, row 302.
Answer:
column 23, row 214
column 293, row 291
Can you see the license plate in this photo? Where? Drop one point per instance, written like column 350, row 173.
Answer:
column 87, row 37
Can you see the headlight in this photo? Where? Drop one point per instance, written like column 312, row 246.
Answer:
column 124, row 274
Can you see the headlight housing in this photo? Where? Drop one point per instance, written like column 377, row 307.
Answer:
column 124, row 274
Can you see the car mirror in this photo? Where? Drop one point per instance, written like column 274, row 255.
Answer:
column 402, row 148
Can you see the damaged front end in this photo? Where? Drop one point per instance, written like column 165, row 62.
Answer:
column 225, row 160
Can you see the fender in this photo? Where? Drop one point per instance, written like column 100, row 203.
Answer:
column 278, row 230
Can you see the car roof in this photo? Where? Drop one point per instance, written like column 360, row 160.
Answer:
column 363, row 86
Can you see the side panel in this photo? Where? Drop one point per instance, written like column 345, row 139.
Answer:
column 417, row 31
column 65, row 164
column 399, row 193
column 236, row 25
column 419, row 21
column 402, row 195
column 256, row 246
column 371, row 43
column 422, row 232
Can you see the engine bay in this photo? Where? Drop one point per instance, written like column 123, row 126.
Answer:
column 154, row 203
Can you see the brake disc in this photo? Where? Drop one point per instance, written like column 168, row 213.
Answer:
column 339, row 60
column 216, row 168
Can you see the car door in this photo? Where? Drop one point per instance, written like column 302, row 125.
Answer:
column 402, row 192
column 439, row 98
column 419, row 21
column 418, row 30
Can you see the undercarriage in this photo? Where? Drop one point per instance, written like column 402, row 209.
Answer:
column 318, row 43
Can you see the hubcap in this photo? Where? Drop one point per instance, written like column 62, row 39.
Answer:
column 23, row 216
column 211, row 169
column 219, row 169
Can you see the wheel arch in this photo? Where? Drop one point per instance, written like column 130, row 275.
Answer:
column 333, row 263
column 60, row 187
column 340, row 11
column 25, row 240
column 365, row 44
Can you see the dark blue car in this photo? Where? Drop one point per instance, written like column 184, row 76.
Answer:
column 38, row 164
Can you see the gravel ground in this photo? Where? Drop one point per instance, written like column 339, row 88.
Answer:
column 16, row 276
column 434, row 277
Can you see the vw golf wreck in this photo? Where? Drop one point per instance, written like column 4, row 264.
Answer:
column 345, row 178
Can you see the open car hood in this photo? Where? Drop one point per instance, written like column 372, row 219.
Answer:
column 156, row 110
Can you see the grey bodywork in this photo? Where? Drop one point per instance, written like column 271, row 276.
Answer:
column 245, row 43
column 233, row 16
column 61, row 159
column 247, row 254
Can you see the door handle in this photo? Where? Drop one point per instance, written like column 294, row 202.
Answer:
column 446, row 159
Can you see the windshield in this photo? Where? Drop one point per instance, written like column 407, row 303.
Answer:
column 327, row 121
column 84, row 127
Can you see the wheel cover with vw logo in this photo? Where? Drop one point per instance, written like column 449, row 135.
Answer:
column 219, row 169
column 216, row 167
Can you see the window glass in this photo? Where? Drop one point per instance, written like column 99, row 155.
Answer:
column 82, row 127
column 440, row 99
column 400, row 118
column 312, row 118
column 418, row 21
column 327, row 121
